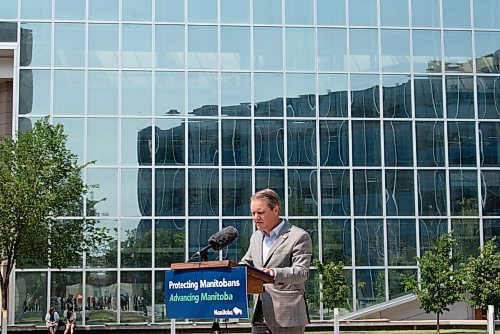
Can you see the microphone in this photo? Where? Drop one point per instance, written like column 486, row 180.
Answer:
column 223, row 238
column 217, row 241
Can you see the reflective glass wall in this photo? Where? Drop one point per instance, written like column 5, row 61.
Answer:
column 377, row 122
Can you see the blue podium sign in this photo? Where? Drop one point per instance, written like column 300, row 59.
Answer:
column 206, row 293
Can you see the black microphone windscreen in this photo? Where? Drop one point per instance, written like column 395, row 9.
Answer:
column 223, row 237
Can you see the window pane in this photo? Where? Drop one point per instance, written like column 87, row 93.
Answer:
column 272, row 179
column 301, row 143
column 135, row 284
column 136, row 141
column 268, row 94
column 311, row 227
column 8, row 9
column 73, row 128
column 334, row 143
column 461, row 144
column 70, row 9
column 236, row 143
column 456, row 13
column 136, row 93
column 36, row 9
column 136, row 192
column 399, row 187
column 396, row 96
column 487, row 54
column 401, row 242
column 170, row 239
column 303, row 192
column 169, row 192
column 135, row 236
column 301, row 95
column 369, row 242
column 428, row 97
column 169, row 93
column 395, row 50
column 396, row 286
column 489, row 136
column 203, row 142
column 202, row 47
column 202, row 11
column 394, row 13
column 35, row 44
column 235, row 94
column 69, row 92
column 463, row 193
column 488, row 93
column 136, row 45
column 335, row 193
column 486, row 14
column 299, row 11
column 427, row 51
column 363, row 12
column 267, row 11
column 234, row 11
column 458, row 51
column 31, row 296
column 133, row 10
column 325, row 8
column 367, row 193
column 100, row 10
column 269, row 145
column 203, row 196
column 299, row 49
column 169, row 134
column 267, row 50
column 169, row 46
column 430, row 230
column 102, row 93
column 397, row 141
column 199, row 232
column 432, row 192
column 102, row 140
column 235, row 48
column 365, row 101
column 430, row 144
column 364, row 50
column 34, row 92
column 466, row 233
column 169, row 10
column 332, row 95
column 459, row 97
column 203, row 94
column 237, row 189
column 370, row 287
column 490, row 192
column 99, row 284
column 332, row 49
column 237, row 250
column 66, row 286
column 491, row 229
column 69, row 44
column 103, row 45
column 103, row 199
column 425, row 13
column 336, row 234
column 366, row 143
column 105, row 256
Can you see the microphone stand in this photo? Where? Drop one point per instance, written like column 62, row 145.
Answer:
column 202, row 254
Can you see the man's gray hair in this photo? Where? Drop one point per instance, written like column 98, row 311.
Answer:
column 269, row 196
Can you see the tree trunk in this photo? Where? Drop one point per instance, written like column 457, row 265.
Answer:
column 5, row 296
column 437, row 323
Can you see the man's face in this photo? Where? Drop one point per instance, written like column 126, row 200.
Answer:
column 265, row 218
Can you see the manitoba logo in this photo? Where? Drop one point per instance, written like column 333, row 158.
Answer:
column 234, row 311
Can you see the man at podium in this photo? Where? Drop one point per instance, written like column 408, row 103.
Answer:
column 283, row 251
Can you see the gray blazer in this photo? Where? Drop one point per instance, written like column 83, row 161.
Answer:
column 283, row 303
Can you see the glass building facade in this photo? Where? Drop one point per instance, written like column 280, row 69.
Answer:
column 377, row 122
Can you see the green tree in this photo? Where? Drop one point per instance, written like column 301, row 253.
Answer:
column 482, row 277
column 440, row 285
column 335, row 288
column 40, row 180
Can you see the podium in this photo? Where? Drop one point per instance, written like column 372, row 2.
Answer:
column 255, row 277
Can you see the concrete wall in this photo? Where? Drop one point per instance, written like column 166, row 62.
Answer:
column 5, row 108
